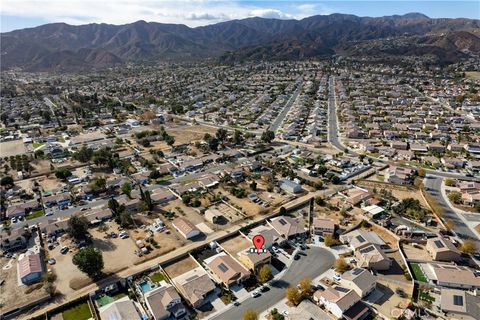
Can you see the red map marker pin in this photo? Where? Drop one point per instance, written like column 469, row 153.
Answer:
column 258, row 242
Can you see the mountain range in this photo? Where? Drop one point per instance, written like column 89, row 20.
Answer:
column 59, row 46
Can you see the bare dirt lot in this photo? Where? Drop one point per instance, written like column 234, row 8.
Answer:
column 11, row 294
column 12, row 148
column 236, row 244
column 415, row 253
column 391, row 303
column 180, row 267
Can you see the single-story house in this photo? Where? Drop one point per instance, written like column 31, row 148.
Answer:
column 121, row 309
column 442, row 249
column 226, row 269
column 186, row 228
column 30, row 268
column 195, row 285
column 290, row 186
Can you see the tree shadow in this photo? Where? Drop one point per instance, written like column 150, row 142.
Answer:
column 280, row 284
column 104, row 245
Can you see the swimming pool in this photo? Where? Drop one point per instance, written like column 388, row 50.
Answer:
column 145, row 286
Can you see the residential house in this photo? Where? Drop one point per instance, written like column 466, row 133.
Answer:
column 360, row 280
column 459, row 304
column 226, row 269
column 162, row 196
column 451, row 276
column 442, row 249
column 253, row 260
column 399, row 175
column 121, row 309
column 30, row 267
column 288, row 227
column 290, row 186
column 13, row 240
column 372, row 256
column 358, row 238
column 323, row 226
column 270, row 235
column 21, row 209
column 338, row 300
column 164, row 301
column 195, row 285
column 187, row 229
column 213, row 215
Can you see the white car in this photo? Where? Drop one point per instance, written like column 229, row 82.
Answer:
column 337, row 277
column 123, row 235
column 255, row 294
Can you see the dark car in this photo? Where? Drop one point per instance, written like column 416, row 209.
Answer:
column 236, row 303
column 296, row 257
column 264, row 289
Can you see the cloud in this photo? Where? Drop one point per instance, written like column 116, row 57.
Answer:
column 205, row 16
column 190, row 12
column 270, row 14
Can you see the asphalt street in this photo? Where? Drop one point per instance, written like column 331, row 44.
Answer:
column 288, row 105
column 316, row 262
column 434, row 185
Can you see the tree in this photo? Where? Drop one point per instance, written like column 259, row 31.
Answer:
column 305, row 287
column 450, row 183
column 114, row 206
column 264, row 274
column 237, row 137
column 468, row 247
column 253, row 186
column 77, row 227
column 84, row 155
column 125, row 219
column 283, row 211
column 98, row 184
column 7, row 181
column 169, row 140
column 293, row 295
column 221, row 134
column 63, row 173
column 328, row 240
column 421, row 173
column 340, row 265
column 268, row 136
column 90, row 261
column 155, row 174
column 275, row 315
column 455, row 197
column 127, row 189
column 250, row 315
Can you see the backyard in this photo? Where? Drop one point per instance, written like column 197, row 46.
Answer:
column 79, row 312
column 418, row 273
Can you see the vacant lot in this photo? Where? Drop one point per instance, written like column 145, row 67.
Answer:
column 229, row 213
column 236, row 244
column 187, row 134
column 180, row 267
column 12, row 148
column 88, row 137
column 391, row 304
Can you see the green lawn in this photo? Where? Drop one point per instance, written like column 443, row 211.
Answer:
column 35, row 214
column 425, row 296
column 37, row 145
column 157, row 277
column 80, row 312
column 417, row 273
column 164, row 178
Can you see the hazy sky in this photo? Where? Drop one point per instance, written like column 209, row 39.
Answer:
column 17, row 14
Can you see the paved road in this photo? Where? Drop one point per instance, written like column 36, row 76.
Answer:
column 434, row 185
column 288, row 105
column 316, row 262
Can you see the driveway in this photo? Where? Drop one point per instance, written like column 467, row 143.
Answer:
column 316, row 262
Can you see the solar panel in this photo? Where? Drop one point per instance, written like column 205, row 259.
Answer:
column 360, row 239
column 357, row 271
column 223, row 267
column 367, row 249
column 439, row 244
column 282, row 222
column 342, row 289
column 458, row 300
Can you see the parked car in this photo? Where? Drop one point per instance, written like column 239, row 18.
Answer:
column 236, row 303
column 264, row 289
column 52, row 261
column 123, row 235
column 296, row 257
column 337, row 277
column 64, row 250
column 255, row 294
